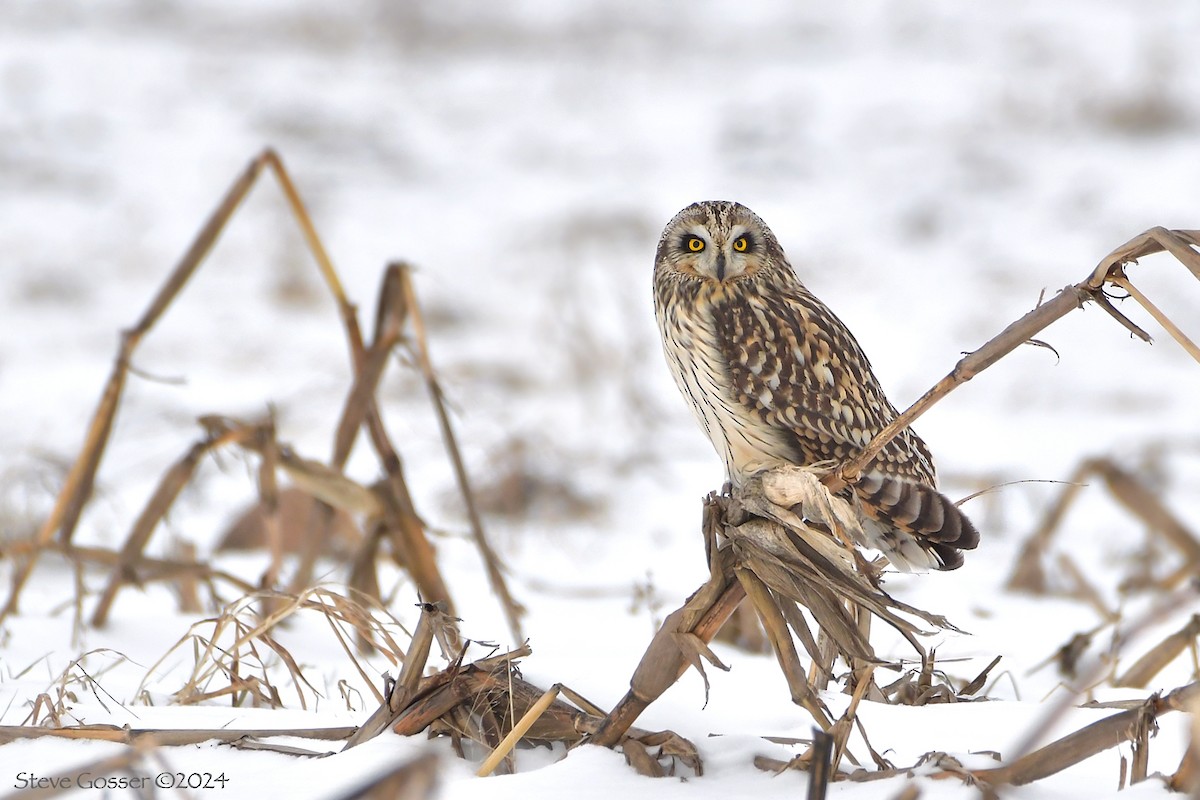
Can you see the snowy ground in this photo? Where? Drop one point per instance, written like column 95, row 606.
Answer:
column 930, row 168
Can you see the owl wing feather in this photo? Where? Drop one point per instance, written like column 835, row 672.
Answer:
column 798, row 367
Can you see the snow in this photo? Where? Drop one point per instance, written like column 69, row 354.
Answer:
column 931, row 168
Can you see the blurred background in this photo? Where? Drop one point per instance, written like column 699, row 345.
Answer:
column 931, row 168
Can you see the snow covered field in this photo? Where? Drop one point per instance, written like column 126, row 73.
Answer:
column 930, row 167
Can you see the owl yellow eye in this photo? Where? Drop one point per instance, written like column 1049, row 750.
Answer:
column 695, row 244
column 741, row 244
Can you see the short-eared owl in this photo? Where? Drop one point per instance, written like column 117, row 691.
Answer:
column 775, row 378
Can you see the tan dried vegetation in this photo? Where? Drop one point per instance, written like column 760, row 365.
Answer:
column 779, row 548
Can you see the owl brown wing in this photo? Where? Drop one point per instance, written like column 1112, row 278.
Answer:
column 796, row 365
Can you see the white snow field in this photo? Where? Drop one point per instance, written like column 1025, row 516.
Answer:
column 931, row 168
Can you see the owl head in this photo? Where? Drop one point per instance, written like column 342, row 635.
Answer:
column 717, row 241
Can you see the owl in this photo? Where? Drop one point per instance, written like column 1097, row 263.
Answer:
column 774, row 377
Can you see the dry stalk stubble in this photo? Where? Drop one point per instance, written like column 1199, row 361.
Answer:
column 756, row 546
column 665, row 660
column 397, row 308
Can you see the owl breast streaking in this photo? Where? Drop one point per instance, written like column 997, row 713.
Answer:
column 775, row 378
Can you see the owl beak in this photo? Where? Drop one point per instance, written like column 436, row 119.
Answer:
column 720, row 266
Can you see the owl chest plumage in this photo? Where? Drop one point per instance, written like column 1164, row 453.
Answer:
column 696, row 342
column 774, row 377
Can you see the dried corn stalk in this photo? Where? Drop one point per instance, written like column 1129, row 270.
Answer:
column 782, row 565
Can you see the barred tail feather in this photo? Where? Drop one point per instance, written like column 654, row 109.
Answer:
column 914, row 522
